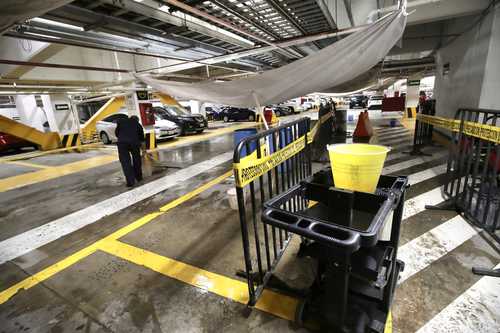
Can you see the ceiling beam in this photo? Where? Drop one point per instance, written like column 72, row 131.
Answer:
column 348, row 8
column 146, row 8
column 328, row 15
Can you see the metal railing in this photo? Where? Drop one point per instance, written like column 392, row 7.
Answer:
column 473, row 172
column 423, row 131
column 275, row 160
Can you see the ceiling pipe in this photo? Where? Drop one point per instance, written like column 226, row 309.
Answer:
column 63, row 66
column 257, row 50
column 222, row 22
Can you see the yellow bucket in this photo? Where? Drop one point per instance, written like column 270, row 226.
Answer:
column 357, row 166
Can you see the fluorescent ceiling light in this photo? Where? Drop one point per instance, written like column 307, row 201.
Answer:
column 60, row 24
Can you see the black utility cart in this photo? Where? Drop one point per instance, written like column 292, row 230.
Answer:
column 357, row 269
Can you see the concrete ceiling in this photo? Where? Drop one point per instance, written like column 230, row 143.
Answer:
column 235, row 36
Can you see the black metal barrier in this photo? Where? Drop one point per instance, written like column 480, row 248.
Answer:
column 473, row 170
column 265, row 165
column 423, row 130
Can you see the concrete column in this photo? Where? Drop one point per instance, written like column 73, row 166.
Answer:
column 195, row 106
column 412, row 92
column 64, row 115
column 32, row 115
column 467, row 69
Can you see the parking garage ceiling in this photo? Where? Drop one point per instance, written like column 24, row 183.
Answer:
column 232, row 37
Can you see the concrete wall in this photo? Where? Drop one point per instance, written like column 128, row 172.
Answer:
column 467, row 57
column 17, row 49
column 490, row 98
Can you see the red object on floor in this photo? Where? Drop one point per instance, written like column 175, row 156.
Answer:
column 363, row 127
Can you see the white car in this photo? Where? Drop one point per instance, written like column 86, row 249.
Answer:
column 164, row 129
column 375, row 102
column 295, row 108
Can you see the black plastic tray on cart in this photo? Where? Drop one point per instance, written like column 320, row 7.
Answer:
column 344, row 220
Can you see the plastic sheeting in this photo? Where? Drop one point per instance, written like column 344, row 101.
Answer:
column 16, row 11
column 331, row 67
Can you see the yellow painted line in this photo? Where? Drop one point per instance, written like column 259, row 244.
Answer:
column 277, row 304
column 31, row 165
column 388, row 323
column 30, row 178
column 42, row 153
column 50, row 271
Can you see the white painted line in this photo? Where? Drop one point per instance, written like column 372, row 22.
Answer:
column 477, row 310
column 30, row 240
column 395, row 141
column 383, row 130
column 393, row 131
column 394, row 136
column 421, row 176
column 417, row 204
column 413, row 161
column 422, row 251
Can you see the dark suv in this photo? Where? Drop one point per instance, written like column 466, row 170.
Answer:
column 357, row 101
column 232, row 113
column 188, row 123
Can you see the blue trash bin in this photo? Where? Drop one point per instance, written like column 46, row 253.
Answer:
column 241, row 134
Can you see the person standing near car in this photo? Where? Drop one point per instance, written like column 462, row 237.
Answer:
column 130, row 136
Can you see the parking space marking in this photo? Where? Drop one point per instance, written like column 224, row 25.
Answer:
column 54, row 172
column 30, row 165
column 50, row 271
column 30, row 178
column 34, row 238
column 277, row 304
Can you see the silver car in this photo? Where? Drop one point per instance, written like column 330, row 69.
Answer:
column 164, row 129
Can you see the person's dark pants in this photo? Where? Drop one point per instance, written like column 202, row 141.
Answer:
column 130, row 159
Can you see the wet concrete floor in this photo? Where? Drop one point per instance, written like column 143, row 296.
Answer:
column 101, row 292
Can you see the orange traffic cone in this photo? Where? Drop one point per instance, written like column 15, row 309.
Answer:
column 363, row 127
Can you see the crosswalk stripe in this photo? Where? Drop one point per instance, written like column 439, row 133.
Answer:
column 413, row 162
column 433, row 245
column 394, row 135
column 393, row 143
column 477, row 310
column 417, row 204
column 421, row 176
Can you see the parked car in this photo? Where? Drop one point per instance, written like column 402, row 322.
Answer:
column 375, row 102
column 164, row 129
column 8, row 142
column 213, row 113
column 357, row 101
column 188, row 123
column 294, row 107
column 232, row 113
column 280, row 110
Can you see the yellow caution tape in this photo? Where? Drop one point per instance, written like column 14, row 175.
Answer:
column 482, row 131
column 250, row 167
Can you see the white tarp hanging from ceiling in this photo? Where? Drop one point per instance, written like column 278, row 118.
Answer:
column 16, row 11
column 332, row 66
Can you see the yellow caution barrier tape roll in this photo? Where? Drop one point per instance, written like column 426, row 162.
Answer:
column 481, row 131
column 250, row 167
